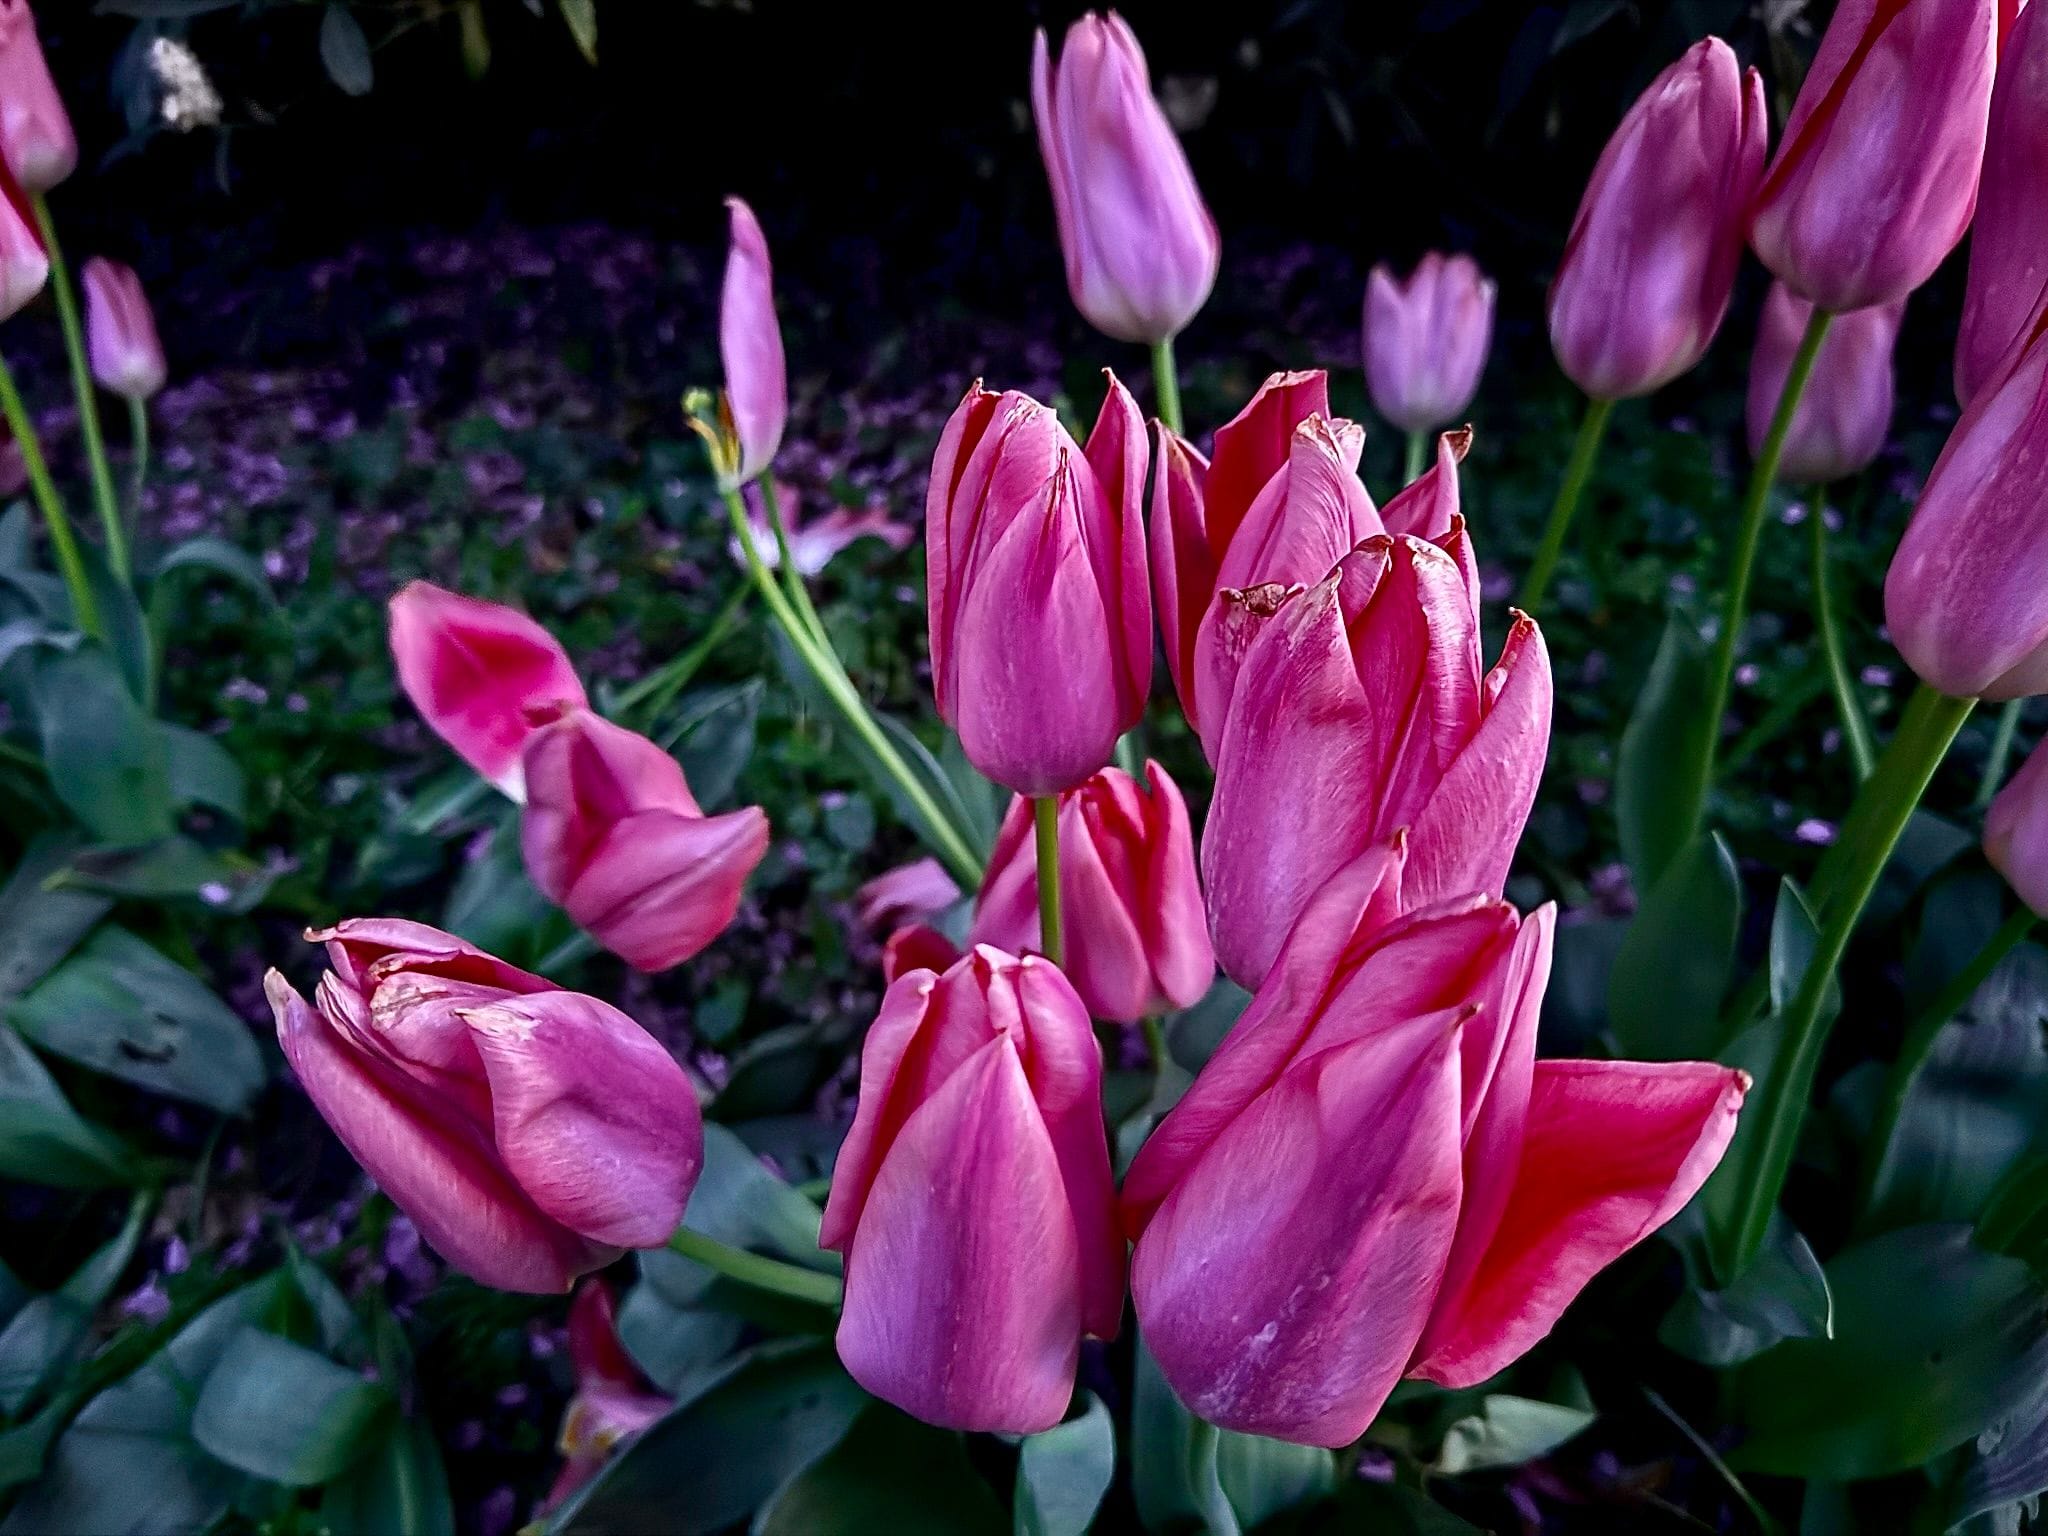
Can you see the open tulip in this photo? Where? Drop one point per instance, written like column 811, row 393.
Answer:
column 1137, row 940
column 1426, row 339
column 1373, row 1177
column 2016, row 832
column 531, row 1134
column 1876, row 175
column 2009, row 236
column 1140, row 247
column 613, row 834
column 972, row 1198
column 750, row 345
column 1041, row 620
column 1841, row 419
column 1650, row 263
column 36, row 139
column 24, row 264
column 120, row 332
column 1362, row 708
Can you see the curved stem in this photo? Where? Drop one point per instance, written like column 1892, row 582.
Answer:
column 138, row 472
column 2001, row 751
column 70, row 562
column 81, row 385
column 1155, row 1041
column 763, row 1274
column 1211, row 1501
column 1166, row 384
column 1578, row 470
column 1862, row 750
column 1418, row 455
column 1052, row 936
column 792, row 578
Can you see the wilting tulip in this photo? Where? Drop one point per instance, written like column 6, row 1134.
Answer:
column 906, row 894
column 1650, row 263
column 1137, row 940
column 481, row 674
column 1362, row 709
column 2016, row 832
column 120, row 332
column 972, row 1198
column 1966, row 598
column 24, row 264
column 1373, row 1177
column 816, row 542
column 1426, row 339
column 613, row 834
column 1876, row 175
column 756, row 403
column 613, row 1400
column 1840, row 422
column 35, row 131
column 1140, row 247
column 531, row 1134
column 2009, row 236
column 1041, row 621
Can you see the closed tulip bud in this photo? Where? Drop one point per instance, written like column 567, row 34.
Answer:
column 1362, row 708
column 120, row 332
column 1840, row 422
column 1876, row 175
column 35, row 131
column 481, row 674
column 1374, row 1177
column 1137, row 940
column 1650, row 263
column 1140, row 247
column 2009, row 236
column 1426, row 340
column 24, row 264
column 613, row 835
column 756, row 401
column 972, row 1198
column 531, row 1134
column 1041, row 620
column 2016, row 832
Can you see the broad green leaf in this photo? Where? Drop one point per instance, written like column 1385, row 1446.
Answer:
column 739, row 1201
column 399, row 1488
column 889, row 1473
column 208, row 555
column 38, row 926
column 678, row 1344
column 345, row 51
column 202, row 773
column 280, row 1412
column 170, row 869
column 45, row 1336
column 497, row 908
column 127, row 632
column 43, row 1140
column 1783, row 1295
column 1672, row 971
column 107, row 760
column 1655, row 802
column 713, row 736
column 1062, row 1474
column 1508, row 1431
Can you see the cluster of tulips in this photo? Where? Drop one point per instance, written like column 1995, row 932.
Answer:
column 1374, row 1176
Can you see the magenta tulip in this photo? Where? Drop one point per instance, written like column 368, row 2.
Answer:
column 1841, row 420
column 1876, row 175
column 1362, row 708
column 24, row 264
column 750, row 344
column 1426, row 340
column 120, row 331
column 613, row 834
column 531, row 1134
column 1140, row 247
column 2009, row 236
column 1650, row 263
column 36, row 139
column 972, row 1198
column 2016, row 832
column 1137, row 940
column 1373, row 1177
column 1041, row 620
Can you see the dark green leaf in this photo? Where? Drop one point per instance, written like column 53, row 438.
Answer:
column 202, row 773
column 1664, row 995
column 400, row 1488
column 1782, row 1295
column 283, row 1413
column 497, row 908
column 107, row 760
column 1508, row 1431
column 43, row 1140
column 1385, row 1509
column 1654, row 799
column 678, row 1343
column 127, row 632
column 1063, row 1473
column 345, row 52
column 739, row 1201
column 889, row 1473
column 39, row 927
column 207, row 555
column 714, row 737
column 45, row 1335
column 171, row 869
column 581, row 16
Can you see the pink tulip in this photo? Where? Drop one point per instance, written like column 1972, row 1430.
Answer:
column 35, row 131
column 613, row 1400
column 814, row 543
column 906, row 894
column 1140, row 247
column 531, row 1134
column 24, row 264
column 1841, row 420
column 480, row 673
column 1876, row 175
column 1137, row 941
column 120, row 332
column 1362, row 709
column 613, row 835
column 1650, row 264
column 1428, row 508
column 1966, row 598
column 1373, row 1177
column 2016, row 832
column 2009, row 236
column 750, row 344
column 1041, row 621
column 1426, row 340
column 972, row 1198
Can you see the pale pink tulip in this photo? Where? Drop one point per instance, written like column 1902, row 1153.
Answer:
column 1426, row 339
column 24, row 264
column 1842, row 417
column 750, row 345
column 120, row 331
column 2009, row 235
column 36, row 139
column 2016, row 832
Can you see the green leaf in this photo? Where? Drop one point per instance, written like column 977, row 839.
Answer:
column 173, row 868
column 119, row 1007
column 127, row 632
column 43, row 1140
column 202, row 773
column 1386, row 1509
column 1653, row 801
column 285, row 1414
column 1062, row 1474
column 678, row 1343
column 107, row 760
column 211, row 556
column 399, row 1488
column 497, row 908
column 345, row 52
column 1782, row 1295
column 714, row 738
column 581, row 16
column 739, row 1201
column 890, row 1473
column 1672, row 971
column 1508, row 1431
column 39, row 927
column 46, row 1334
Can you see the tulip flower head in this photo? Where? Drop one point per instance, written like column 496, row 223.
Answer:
column 36, row 139
column 1426, row 340
column 2009, row 236
column 120, row 332
column 1841, row 420
column 24, row 264
column 2016, row 832
column 531, row 1134
column 753, row 409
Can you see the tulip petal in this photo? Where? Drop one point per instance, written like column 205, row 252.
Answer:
column 887, row 1095
column 661, row 886
column 1183, row 563
column 915, row 947
column 953, row 506
column 2016, row 831
column 1253, row 446
column 750, row 345
column 1172, row 915
column 1428, row 508
column 1116, row 540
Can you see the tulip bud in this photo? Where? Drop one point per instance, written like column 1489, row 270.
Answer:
column 24, row 264
column 1650, row 264
column 2009, row 236
column 1840, row 422
column 756, row 400
column 613, row 835
column 35, row 132
column 1373, row 1177
column 1966, row 598
column 1137, row 941
column 1041, row 621
column 1426, row 340
column 481, row 674
column 531, row 1134
column 1361, row 710
column 1876, row 175
column 972, row 1198
column 1140, row 247
column 908, row 893
column 2016, row 832
column 120, row 332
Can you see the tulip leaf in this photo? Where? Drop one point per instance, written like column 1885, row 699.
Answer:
column 173, row 868
column 399, row 1488
column 221, row 558
column 44, row 1337
column 890, row 1473
column 1507, row 1432
column 345, row 51
column 1655, row 803
column 1672, row 970
column 1387, row 1509
column 39, row 926
column 739, row 1201
column 107, row 760
column 1062, row 1474
column 43, row 1140
column 1782, row 1295
column 281, row 1412
column 497, row 908
column 677, row 1345
column 713, row 736
column 202, row 773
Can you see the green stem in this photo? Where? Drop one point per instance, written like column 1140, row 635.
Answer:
column 1211, row 1502
column 1155, row 1041
column 1862, row 750
column 763, row 1274
column 138, row 472
column 88, row 402
column 1882, row 809
column 1578, row 470
column 1418, row 455
column 579, row 946
column 659, row 687
column 62, row 539
column 1052, row 936
column 792, row 578
column 2001, row 751
column 1166, row 384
